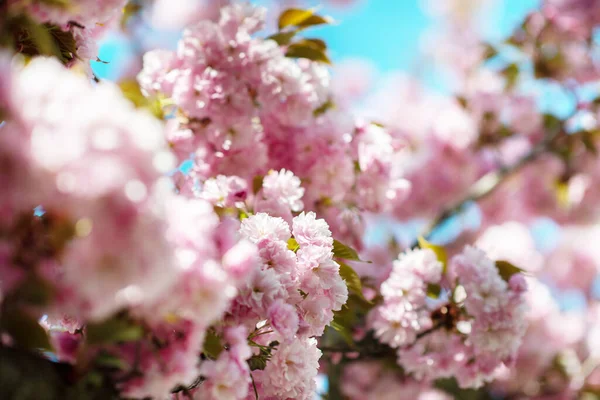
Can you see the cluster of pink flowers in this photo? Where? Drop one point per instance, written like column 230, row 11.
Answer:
column 467, row 333
column 296, row 291
column 96, row 173
column 437, row 154
column 197, row 256
column 112, row 236
column 244, row 108
column 405, row 310
column 289, row 299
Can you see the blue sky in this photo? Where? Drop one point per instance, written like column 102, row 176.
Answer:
column 387, row 32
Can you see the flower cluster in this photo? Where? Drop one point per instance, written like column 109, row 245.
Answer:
column 197, row 256
column 295, row 290
column 244, row 108
column 112, row 247
column 405, row 311
column 468, row 336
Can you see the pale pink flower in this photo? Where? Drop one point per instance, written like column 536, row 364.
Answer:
column 262, row 226
column 284, row 319
column 308, row 230
column 291, row 371
column 285, row 187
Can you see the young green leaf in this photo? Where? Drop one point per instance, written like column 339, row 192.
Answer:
column 131, row 90
column 314, row 20
column 113, row 330
column 283, row 38
column 303, row 50
column 323, row 108
column 257, row 183
column 314, row 43
column 343, row 332
column 293, row 245
column 301, row 18
column 131, row 9
column 107, row 360
column 340, row 250
column 353, row 282
column 434, row 290
column 212, row 345
column 293, row 17
column 511, row 74
column 506, row 269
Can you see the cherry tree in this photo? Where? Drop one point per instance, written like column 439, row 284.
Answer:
column 203, row 228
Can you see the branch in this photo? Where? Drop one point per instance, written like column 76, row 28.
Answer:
column 486, row 185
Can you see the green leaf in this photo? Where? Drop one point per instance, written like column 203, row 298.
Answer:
column 434, row 290
column 314, row 43
column 24, row 329
column 107, row 360
column 257, row 183
column 303, row 50
column 212, row 345
column 131, row 9
column 300, row 18
column 352, row 279
column 113, row 330
column 293, row 245
column 504, row 131
column 506, row 269
column 293, row 17
column 42, row 39
column 561, row 193
column 340, row 250
column 439, row 251
column 257, row 362
column 551, row 122
column 283, row 38
column 132, row 91
column 323, row 108
column 511, row 74
column 314, row 20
